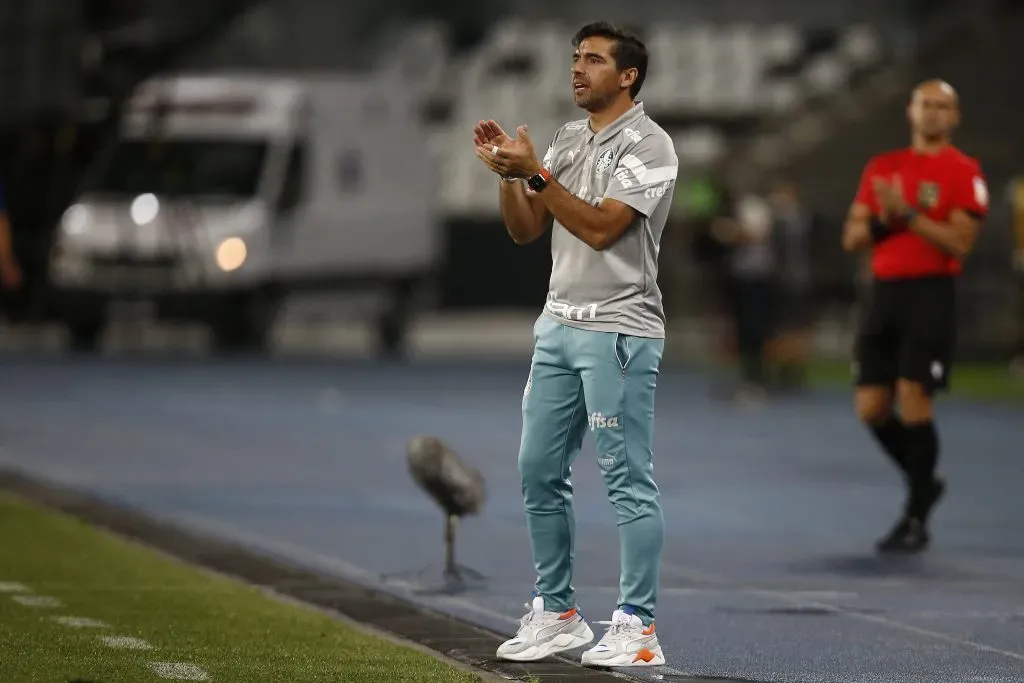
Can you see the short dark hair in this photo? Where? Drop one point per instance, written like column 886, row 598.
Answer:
column 628, row 50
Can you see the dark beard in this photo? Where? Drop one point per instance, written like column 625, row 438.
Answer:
column 594, row 102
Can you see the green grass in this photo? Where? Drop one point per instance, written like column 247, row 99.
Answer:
column 984, row 382
column 976, row 381
column 231, row 631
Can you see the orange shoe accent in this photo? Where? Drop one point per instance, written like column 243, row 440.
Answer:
column 567, row 615
column 649, row 631
column 644, row 654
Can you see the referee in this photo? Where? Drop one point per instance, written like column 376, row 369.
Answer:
column 918, row 210
column 608, row 181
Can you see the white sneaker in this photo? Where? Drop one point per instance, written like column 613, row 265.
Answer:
column 625, row 643
column 543, row 633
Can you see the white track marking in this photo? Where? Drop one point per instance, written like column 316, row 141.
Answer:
column 36, row 600
column 13, row 587
column 80, row 622
column 125, row 643
column 179, row 671
column 794, row 598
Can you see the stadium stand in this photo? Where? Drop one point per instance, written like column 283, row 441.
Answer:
column 41, row 59
column 709, row 82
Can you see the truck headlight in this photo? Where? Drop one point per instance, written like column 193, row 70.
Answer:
column 144, row 209
column 75, row 220
column 231, row 254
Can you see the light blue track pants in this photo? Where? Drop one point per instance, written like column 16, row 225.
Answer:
column 604, row 382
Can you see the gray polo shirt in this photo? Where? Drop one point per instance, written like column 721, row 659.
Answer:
column 615, row 290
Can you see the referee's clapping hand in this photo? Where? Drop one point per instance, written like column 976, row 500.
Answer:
column 890, row 196
column 892, row 204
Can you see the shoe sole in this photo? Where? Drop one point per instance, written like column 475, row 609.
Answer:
column 903, row 551
column 625, row 660
column 560, row 643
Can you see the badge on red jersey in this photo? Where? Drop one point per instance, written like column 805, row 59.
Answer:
column 928, row 194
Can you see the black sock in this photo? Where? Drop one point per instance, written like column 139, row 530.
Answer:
column 753, row 368
column 922, row 456
column 892, row 435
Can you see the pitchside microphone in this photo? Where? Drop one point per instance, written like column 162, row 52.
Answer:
column 455, row 486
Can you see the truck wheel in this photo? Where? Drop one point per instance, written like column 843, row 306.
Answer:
column 393, row 324
column 392, row 332
column 85, row 333
column 245, row 324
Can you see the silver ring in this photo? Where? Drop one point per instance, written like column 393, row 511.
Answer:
column 494, row 151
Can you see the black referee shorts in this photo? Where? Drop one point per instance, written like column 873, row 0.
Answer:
column 907, row 331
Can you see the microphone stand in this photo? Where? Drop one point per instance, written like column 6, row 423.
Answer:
column 455, row 578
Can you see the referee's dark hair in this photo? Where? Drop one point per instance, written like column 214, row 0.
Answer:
column 629, row 51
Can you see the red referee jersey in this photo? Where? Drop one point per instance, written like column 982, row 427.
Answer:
column 935, row 185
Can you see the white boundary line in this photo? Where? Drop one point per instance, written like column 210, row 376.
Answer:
column 80, row 622
column 44, row 601
column 125, row 643
column 178, row 671
column 13, row 587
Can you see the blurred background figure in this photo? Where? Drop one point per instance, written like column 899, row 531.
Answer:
column 702, row 203
column 790, row 346
column 745, row 228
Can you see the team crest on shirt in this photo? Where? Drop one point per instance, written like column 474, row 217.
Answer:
column 604, row 161
column 548, row 156
column 928, row 195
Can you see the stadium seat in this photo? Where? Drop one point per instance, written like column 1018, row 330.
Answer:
column 698, row 146
column 860, row 45
column 778, row 43
column 701, row 72
column 825, row 74
column 418, row 55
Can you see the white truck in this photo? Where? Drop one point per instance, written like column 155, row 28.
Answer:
column 224, row 195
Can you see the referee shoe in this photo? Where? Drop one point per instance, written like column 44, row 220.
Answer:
column 910, row 535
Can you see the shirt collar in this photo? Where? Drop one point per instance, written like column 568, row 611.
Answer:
column 941, row 152
column 612, row 129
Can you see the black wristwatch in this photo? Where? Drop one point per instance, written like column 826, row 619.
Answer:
column 538, row 181
column 879, row 229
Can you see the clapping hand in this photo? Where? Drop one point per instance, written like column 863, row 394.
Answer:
column 489, row 133
column 890, row 197
column 508, row 157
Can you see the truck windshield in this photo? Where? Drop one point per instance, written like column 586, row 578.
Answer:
column 182, row 168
